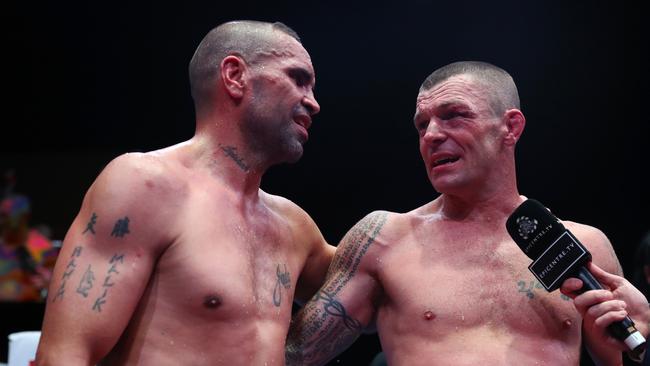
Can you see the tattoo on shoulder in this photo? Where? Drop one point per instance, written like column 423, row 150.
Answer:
column 231, row 152
column 109, row 281
column 90, row 226
column 529, row 288
column 121, row 227
column 283, row 280
column 67, row 272
column 355, row 245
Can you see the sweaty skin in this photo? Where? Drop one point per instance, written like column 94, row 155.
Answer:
column 435, row 301
column 177, row 257
column 445, row 284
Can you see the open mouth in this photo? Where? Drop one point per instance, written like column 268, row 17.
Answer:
column 303, row 120
column 446, row 160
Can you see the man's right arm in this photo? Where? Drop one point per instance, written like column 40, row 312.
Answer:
column 333, row 319
column 103, row 267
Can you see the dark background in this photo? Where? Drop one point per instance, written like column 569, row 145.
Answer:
column 87, row 81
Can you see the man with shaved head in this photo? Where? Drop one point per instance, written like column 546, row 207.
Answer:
column 177, row 257
column 444, row 284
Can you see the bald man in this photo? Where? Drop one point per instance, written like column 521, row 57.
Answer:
column 177, row 257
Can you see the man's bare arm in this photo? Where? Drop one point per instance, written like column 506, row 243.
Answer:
column 333, row 319
column 104, row 265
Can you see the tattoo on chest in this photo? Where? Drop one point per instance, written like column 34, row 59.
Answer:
column 109, row 280
column 283, row 280
column 530, row 287
column 67, row 272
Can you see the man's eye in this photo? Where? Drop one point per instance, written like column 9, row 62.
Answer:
column 299, row 77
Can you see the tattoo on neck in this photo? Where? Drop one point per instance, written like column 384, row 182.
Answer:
column 231, row 152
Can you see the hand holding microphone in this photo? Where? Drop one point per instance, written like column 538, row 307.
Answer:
column 558, row 255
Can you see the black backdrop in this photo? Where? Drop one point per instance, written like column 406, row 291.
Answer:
column 86, row 81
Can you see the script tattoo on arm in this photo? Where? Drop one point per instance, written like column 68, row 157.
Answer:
column 108, row 281
column 323, row 328
column 67, row 273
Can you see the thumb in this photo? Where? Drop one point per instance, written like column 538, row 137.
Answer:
column 605, row 278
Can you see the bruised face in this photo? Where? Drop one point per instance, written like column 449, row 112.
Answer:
column 459, row 134
column 282, row 102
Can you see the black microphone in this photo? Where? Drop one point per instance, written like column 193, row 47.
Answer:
column 557, row 255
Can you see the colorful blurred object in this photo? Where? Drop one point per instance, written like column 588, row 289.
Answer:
column 26, row 255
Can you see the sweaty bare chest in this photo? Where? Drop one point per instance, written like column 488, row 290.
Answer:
column 228, row 267
column 442, row 292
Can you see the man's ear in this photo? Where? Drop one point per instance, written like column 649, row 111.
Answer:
column 514, row 123
column 233, row 69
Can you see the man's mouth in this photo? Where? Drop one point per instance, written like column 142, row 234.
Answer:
column 303, row 120
column 445, row 160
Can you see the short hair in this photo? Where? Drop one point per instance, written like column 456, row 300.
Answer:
column 503, row 91
column 245, row 38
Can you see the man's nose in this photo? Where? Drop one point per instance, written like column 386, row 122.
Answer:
column 434, row 133
column 309, row 101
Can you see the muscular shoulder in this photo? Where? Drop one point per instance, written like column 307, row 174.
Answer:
column 374, row 228
column 139, row 186
column 284, row 206
column 300, row 223
column 598, row 244
column 132, row 176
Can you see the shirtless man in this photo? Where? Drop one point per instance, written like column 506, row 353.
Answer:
column 445, row 284
column 177, row 257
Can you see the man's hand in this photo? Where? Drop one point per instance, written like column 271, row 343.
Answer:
column 600, row 308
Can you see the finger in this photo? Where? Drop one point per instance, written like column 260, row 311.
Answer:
column 605, row 307
column 609, row 318
column 605, row 278
column 570, row 287
column 591, row 298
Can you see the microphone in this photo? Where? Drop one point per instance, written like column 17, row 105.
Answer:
column 557, row 255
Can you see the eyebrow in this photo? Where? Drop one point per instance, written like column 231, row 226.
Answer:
column 452, row 105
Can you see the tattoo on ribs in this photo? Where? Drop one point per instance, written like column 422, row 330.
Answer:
column 69, row 270
column 283, row 280
column 231, row 152
column 101, row 300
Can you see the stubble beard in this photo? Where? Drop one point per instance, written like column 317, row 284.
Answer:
column 271, row 138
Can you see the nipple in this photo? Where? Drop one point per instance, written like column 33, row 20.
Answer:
column 211, row 301
column 567, row 323
column 429, row 315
